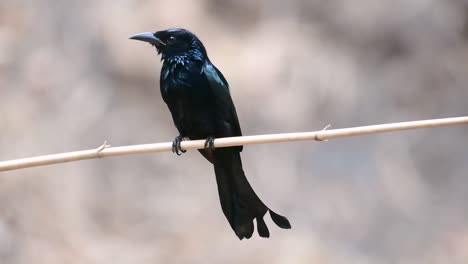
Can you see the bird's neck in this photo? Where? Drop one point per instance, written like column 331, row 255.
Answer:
column 183, row 58
column 186, row 62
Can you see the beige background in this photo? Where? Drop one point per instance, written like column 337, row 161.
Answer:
column 70, row 79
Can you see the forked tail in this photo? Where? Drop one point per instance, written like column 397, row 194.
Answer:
column 239, row 201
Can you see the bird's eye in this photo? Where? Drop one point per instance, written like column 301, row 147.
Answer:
column 171, row 40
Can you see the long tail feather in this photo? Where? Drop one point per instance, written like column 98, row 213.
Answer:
column 239, row 201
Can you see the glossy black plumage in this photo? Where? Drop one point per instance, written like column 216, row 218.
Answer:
column 199, row 100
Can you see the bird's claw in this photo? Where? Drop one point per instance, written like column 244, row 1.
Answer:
column 209, row 143
column 176, row 148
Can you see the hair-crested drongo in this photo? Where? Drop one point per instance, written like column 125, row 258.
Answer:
column 199, row 100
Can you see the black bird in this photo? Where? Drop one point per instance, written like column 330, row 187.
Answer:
column 199, row 100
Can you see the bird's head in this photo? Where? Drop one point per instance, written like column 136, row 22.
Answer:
column 173, row 43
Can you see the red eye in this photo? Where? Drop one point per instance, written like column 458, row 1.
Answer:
column 171, row 40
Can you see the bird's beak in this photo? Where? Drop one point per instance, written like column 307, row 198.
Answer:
column 148, row 37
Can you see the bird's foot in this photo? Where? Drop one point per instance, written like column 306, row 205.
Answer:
column 209, row 143
column 176, row 148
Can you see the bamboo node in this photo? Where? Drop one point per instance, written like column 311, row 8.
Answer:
column 318, row 134
column 101, row 148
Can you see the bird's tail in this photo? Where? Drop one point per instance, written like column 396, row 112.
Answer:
column 239, row 201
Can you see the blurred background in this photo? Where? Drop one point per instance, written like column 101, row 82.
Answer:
column 70, row 79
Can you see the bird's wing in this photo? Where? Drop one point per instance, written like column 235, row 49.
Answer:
column 220, row 89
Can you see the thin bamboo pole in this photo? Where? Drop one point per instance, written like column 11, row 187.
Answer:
column 322, row 135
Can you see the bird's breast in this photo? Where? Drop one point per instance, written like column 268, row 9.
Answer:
column 189, row 98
